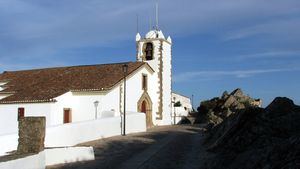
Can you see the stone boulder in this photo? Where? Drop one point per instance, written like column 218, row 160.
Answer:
column 217, row 109
column 257, row 138
column 230, row 101
column 225, row 95
column 237, row 93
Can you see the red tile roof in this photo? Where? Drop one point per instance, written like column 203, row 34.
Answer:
column 43, row 85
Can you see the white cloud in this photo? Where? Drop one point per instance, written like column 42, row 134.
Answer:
column 281, row 30
column 271, row 55
column 4, row 66
column 212, row 74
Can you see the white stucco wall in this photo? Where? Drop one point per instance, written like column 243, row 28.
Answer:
column 79, row 132
column 185, row 101
column 36, row 161
column 183, row 110
column 64, row 101
column 134, row 89
column 80, row 103
column 111, row 101
column 154, row 94
column 179, row 113
column 8, row 143
column 9, row 115
column 51, row 157
column 167, row 80
column 63, row 155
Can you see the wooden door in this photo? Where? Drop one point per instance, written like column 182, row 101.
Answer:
column 21, row 112
column 67, row 116
column 144, row 107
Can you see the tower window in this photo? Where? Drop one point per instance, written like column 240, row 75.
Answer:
column 149, row 51
column 144, row 82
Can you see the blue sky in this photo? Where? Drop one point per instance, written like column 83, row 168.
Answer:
column 218, row 45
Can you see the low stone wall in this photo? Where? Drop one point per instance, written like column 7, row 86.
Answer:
column 75, row 133
column 56, row 156
column 8, row 143
column 36, row 161
column 79, row 132
column 31, row 135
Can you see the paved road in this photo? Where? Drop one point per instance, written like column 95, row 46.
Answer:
column 168, row 147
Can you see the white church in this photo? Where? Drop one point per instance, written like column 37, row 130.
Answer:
column 81, row 93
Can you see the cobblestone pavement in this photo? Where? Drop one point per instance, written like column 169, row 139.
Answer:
column 161, row 147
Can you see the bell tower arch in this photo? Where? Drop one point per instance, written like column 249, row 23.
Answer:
column 148, row 51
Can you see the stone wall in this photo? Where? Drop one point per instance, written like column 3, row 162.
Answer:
column 31, row 135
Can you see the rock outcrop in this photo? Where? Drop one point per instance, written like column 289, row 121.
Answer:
column 257, row 138
column 214, row 111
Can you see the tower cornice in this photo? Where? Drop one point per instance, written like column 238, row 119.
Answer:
column 158, row 39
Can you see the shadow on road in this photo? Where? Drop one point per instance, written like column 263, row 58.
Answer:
column 115, row 151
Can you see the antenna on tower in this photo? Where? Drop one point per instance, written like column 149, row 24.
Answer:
column 150, row 23
column 156, row 13
column 137, row 23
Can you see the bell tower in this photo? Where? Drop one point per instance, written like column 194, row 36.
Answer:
column 156, row 50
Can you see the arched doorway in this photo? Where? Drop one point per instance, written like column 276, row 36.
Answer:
column 145, row 106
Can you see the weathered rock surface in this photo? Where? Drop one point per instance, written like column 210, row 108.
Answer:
column 214, row 111
column 257, row 138
column 31, row 135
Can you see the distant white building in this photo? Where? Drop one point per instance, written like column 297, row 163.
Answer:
column 80, row 93
column 183, row 110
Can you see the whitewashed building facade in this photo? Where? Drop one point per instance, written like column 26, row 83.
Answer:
column 183, row 110
column 81, row 93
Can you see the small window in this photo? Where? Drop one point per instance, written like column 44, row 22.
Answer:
column 67, row 116
column 149, row 51
column 145, row 82
column 21, row 112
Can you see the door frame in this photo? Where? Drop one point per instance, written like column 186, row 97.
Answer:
column 145, row 97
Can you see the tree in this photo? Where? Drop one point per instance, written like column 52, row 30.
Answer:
column 177, row 104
